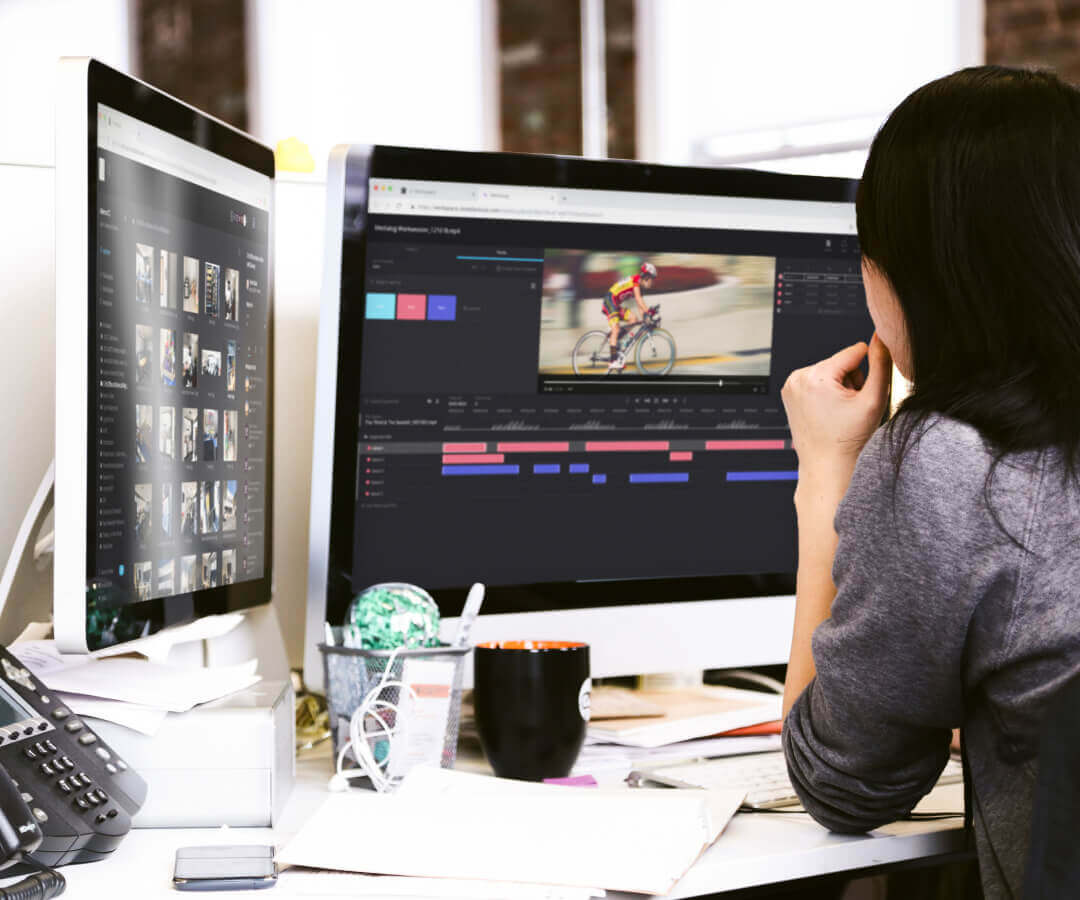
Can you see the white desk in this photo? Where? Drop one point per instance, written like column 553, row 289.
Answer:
column 756, row 848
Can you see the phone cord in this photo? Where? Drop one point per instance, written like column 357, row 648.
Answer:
column 39, row 886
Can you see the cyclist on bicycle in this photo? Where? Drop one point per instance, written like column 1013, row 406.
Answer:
column 616, row 311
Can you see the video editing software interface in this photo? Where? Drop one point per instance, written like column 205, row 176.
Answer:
column 178, row 364
column 497, row 443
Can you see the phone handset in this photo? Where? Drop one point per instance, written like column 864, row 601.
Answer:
column 21, row 835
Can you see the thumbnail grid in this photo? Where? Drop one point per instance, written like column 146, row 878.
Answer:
column 179, row 366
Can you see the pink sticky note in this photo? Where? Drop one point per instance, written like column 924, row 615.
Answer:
column 573, row 781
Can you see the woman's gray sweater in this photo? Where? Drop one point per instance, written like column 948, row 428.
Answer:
column 941, row 621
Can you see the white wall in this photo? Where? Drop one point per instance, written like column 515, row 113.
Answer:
column 409, row 72
column 26, row 310
column 35, row 33
column 336, row 72
column 728, row 68
column 299, row 209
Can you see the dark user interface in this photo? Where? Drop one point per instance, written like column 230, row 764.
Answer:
column 494, row 443
column 178, row 364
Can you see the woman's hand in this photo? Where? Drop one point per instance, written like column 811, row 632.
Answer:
column 833, row 409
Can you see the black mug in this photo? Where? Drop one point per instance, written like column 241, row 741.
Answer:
column 532, row 706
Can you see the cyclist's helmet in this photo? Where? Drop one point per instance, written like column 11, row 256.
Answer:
column 648, row 270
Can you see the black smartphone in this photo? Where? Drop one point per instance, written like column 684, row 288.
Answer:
column 230, row 867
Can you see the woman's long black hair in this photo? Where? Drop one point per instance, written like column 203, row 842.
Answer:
column 970, row 206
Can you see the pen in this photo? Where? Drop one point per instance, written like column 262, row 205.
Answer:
column 469, row 614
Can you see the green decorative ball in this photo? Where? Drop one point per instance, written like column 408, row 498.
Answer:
column 385, row 616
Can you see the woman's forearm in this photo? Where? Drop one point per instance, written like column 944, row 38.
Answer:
column 816, row 500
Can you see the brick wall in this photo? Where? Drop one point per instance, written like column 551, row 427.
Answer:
column 1042, row 33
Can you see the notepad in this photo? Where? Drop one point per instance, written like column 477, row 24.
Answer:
column 445, row 824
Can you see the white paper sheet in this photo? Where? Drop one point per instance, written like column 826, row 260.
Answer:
column 156, row 647
column 311, row 883
column 604, row 759
column 446, row 824
column 42, row 657
column 143, row 719
column 146, row 683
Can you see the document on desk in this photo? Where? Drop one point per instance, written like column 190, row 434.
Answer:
column 308, row 883
column 688, row 714
column 445, row 824
column 172, row 688
column 600, row 758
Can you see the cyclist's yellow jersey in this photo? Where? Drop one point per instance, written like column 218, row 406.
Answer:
column 621, row 291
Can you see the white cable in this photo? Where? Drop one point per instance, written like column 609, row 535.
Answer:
column 770, row 684
column 360, row 737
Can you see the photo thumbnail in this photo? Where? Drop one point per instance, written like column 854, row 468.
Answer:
column 210, row 435
column 230, row 366
column 168, row 357
column 144, row 577
column 714, row 316
column 212, row 289
column 166, row 579
column 232, row 295
column 144, row 432
column 167, row 510
column 189, row 435
column 191, row 285
column 144, row 355
column 188, row 573
column 167, row 431
column 231, row 417
column 210, row 507
column 167, row 279
column 189, row 370
column 144, row 273
column 228, row 566
column 210, row 570
column 228, row 507
column 143, row 515
column 189, row 509
column 211, row 363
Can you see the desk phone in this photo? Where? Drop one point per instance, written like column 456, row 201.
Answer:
column 80, row 793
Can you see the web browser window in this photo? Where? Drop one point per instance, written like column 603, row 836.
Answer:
column 579, row 385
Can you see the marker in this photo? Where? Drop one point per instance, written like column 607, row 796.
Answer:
column 328, row 635
column 469, row 614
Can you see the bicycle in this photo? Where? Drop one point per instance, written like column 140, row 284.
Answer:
column 652, row 346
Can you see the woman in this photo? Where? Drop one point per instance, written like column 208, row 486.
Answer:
column 952, row 534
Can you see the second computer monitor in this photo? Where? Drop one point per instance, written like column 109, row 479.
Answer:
column 562, row 378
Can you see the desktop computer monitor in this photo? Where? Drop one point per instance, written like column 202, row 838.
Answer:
column 164, row 361
column 471, row 427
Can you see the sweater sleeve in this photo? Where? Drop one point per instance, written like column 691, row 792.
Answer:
column 916, row 555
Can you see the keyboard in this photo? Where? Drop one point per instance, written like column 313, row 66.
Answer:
column 763, row 775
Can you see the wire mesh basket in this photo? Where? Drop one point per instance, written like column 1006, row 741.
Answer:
column 351, row 674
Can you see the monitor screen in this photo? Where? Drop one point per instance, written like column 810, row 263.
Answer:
column 572, row 393
column 177, row 510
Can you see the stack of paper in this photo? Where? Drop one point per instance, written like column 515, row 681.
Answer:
column 688, row 714
column 134, row 692
column 446, row 824
column 615, row 760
